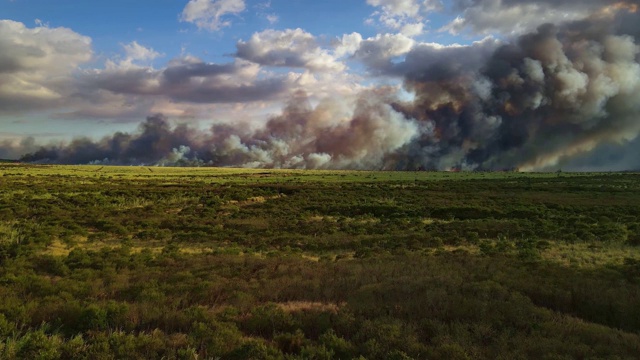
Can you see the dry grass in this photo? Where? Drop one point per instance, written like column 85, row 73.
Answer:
column 254, row 200
column 311, row 258
column 126, row 202
column 59, row 248
column 300, row 306
column 588, row 255
column 10, row 232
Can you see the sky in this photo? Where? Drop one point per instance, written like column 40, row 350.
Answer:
column 398, row 84
column 153, row 33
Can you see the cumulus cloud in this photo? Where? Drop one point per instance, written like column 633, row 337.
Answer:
column 44, row 68
column 135, row 57
column 319, row 86
column 379, row 52
column 190, row 80
column 137, row 52
column 409, row 8
column 404, row 16
column 520, row 16
column 36, row 64
column 211, row 15
column 294, row 48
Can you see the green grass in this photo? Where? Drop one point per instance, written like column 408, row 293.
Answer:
column 241, row 175
column 186, row 263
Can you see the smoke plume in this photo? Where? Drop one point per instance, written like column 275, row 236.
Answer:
column 558, row 93
column 326, row 136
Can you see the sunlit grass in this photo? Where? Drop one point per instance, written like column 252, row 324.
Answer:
column 584, row 255
column 11, row 233
column 577, row 255
column 173, row 175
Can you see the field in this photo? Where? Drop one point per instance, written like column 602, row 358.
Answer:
column 205, row 263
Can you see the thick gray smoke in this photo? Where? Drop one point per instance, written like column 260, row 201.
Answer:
column 15, row 149
column 548, row 96
column 556, row 94
column 301, row 137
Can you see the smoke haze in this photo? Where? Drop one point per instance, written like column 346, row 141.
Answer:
column 559, row 95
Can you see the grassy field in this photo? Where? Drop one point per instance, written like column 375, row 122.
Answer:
column 240, row 175
column 198, row 263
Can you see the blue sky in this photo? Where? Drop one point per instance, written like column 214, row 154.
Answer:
column 159, row 25
column 72, row 69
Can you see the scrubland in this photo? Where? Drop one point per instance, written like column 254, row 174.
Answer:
column 204, row 263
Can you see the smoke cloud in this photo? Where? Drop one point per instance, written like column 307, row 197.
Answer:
column 557, row 93
column 327, row 136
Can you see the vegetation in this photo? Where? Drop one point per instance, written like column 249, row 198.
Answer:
column 201, row 263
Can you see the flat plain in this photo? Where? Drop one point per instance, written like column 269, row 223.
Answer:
column 197, row 263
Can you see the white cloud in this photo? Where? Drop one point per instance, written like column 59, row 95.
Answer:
column 409, row 8
column 211, row 14
column 512, row 17
column 136, row 51
column 45, row 68
column 293, row 48
column 325, row 85
column 378, row 52
column 411, row 30
column 135, row 56
column 272, row 18
column 37, row 64
column 404, row 16
column 348, row 44
column 262, row 9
